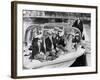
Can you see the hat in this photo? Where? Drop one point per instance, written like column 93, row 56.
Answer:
column 62, row 33
column 72, row 33
column 77, row 34
column 58, row 29
column 38, row 36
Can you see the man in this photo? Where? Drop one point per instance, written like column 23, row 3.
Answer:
column 61, row 39
column 78, row 24
column 37, row 46
column 50, row 43
column 80, row 61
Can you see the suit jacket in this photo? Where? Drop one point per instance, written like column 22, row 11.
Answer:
column 61, row 42
column 55, row 42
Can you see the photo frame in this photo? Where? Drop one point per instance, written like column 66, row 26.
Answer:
column 50, row 39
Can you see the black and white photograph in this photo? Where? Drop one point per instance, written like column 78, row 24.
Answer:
column 55, row 39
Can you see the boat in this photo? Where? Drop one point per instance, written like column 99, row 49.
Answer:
column 65, row 60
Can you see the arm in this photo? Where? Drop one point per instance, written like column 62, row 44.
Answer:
column 63, row 58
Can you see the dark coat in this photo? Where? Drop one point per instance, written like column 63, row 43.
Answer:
column 61, row 42
column 48, row 44
column 79, row 26
column 80, row 61
column 35, row 47
column 54, row 42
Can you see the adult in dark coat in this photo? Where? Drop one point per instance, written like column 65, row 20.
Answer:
column 54, row 42
column 61, row 42
column 80, row 61
column 48, row 44
column 60, row 39
column 51, row 42
column 78, row 24
column 35, row 48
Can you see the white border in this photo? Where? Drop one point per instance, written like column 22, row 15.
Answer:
column 21, row 72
